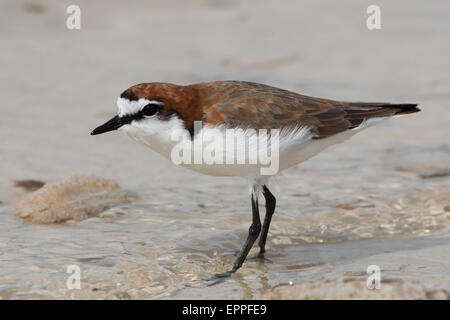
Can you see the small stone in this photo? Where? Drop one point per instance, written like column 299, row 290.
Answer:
column 29, row 185
column 75, row 199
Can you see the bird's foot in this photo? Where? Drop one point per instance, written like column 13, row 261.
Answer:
column 220, row 277
column 261, row 257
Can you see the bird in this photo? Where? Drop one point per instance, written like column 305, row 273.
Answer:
column 300, row 127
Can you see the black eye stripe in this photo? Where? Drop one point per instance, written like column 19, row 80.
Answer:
column 147, row 111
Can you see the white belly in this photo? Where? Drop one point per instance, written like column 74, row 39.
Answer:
column 209, row 154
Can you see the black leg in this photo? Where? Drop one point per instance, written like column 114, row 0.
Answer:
column 270, row 209
column 253, row 233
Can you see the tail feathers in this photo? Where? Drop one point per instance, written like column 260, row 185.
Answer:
column 381, row 108
column 406, row 108
column 358, row 112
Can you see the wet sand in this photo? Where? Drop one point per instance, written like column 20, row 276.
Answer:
column 381, row 198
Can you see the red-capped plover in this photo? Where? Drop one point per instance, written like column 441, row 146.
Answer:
column 303, row 126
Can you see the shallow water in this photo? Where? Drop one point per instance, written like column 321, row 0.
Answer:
column 382, row 197
column 161, row 246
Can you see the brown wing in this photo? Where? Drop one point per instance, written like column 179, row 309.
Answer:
column 257, row 106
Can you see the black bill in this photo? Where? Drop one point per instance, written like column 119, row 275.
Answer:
column 113, row 124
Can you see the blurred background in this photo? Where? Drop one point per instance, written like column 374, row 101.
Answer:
column 390, row 182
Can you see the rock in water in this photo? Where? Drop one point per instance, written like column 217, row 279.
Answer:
column 75, row 199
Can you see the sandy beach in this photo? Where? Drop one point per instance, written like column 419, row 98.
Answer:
column 381, row 198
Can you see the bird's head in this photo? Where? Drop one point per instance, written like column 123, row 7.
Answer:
column 144, row 108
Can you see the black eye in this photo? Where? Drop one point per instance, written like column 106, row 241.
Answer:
column 150, row 109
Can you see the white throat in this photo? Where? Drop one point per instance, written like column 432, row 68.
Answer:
column 156, row 134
